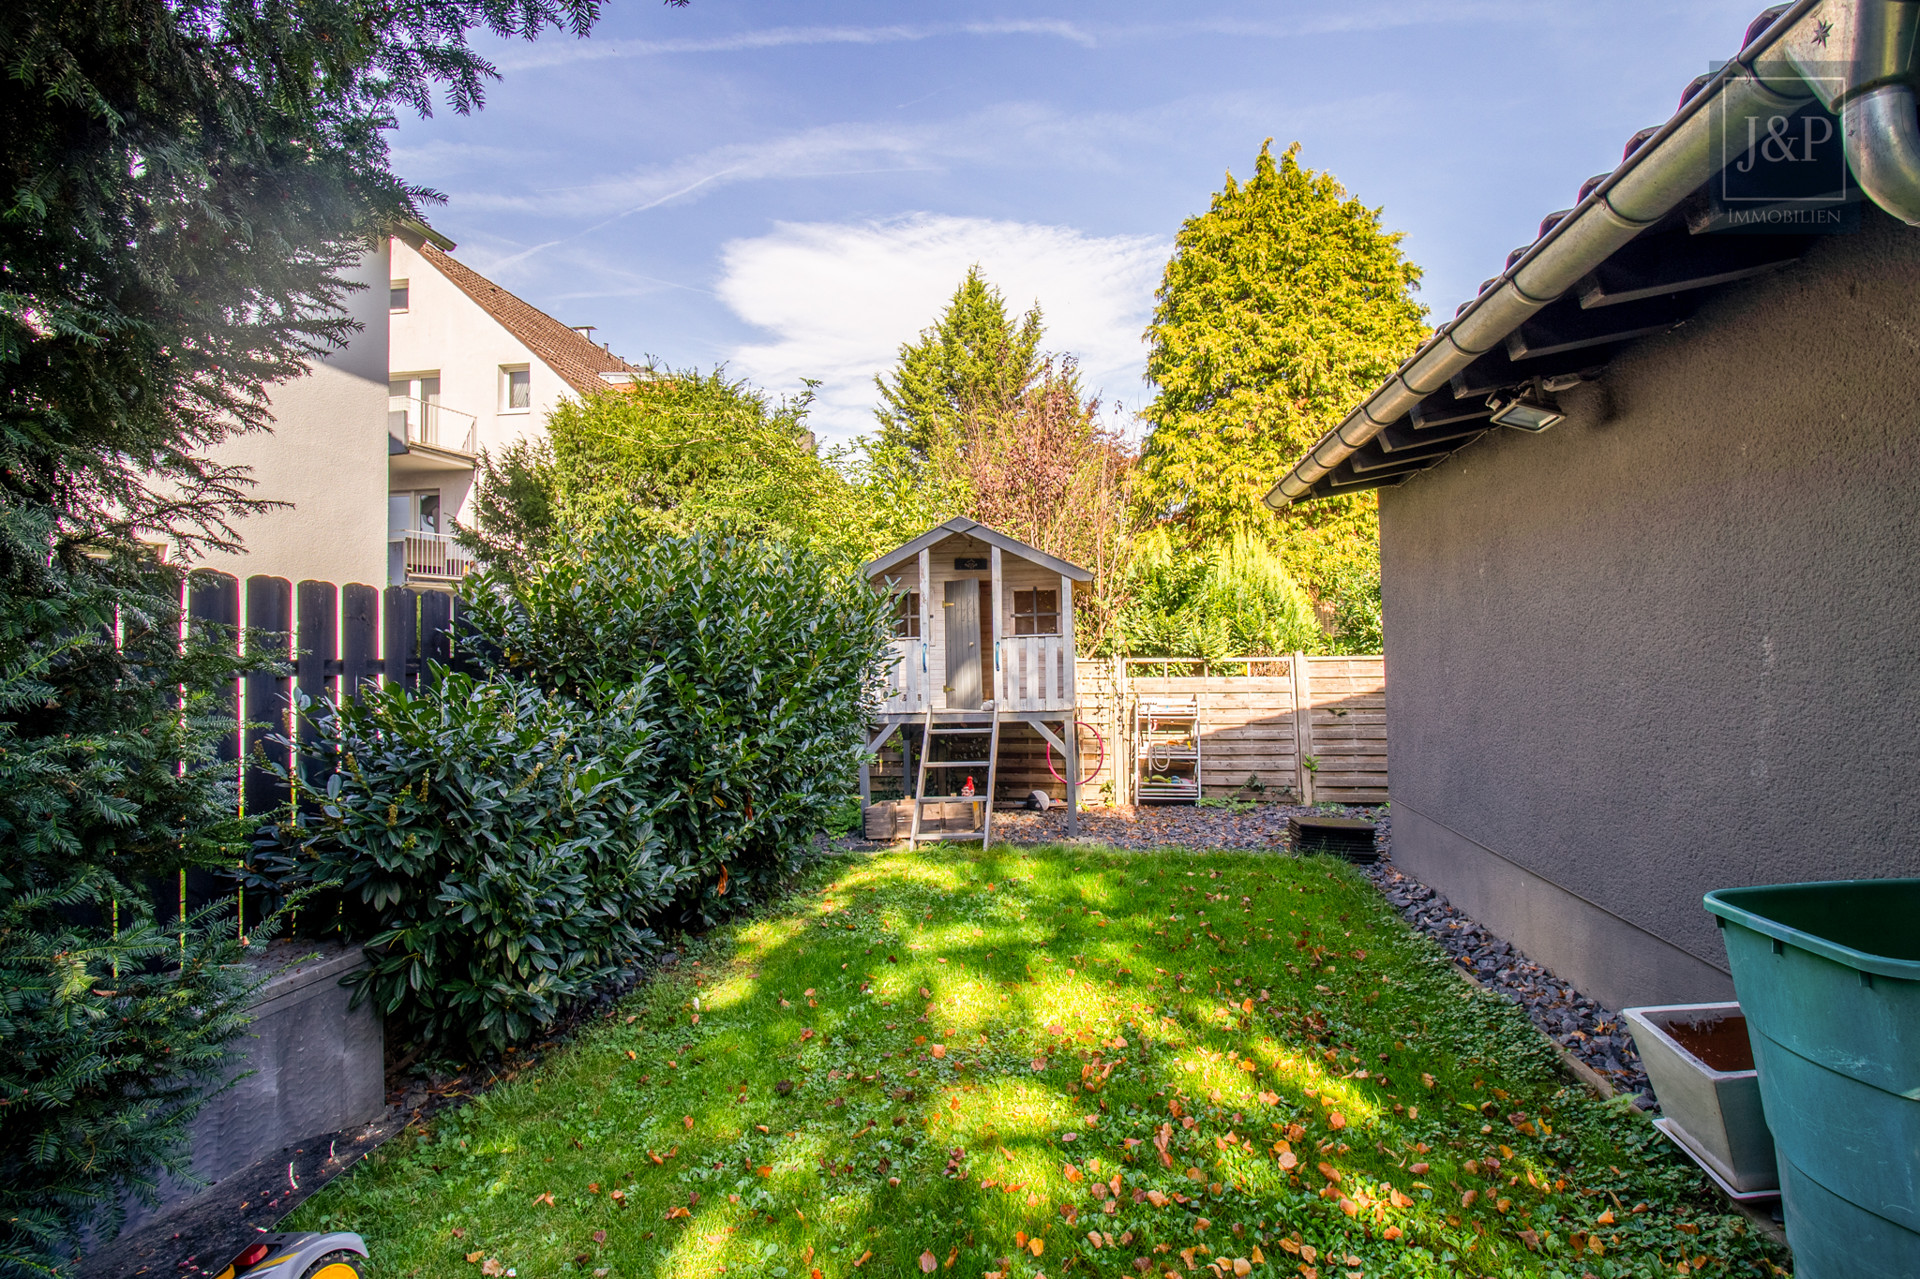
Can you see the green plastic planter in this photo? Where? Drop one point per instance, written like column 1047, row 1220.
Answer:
column 1829, row 978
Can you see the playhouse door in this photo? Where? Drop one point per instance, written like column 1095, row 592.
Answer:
column 962, row 612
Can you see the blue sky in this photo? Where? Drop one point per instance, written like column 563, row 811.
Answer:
column 794, row 189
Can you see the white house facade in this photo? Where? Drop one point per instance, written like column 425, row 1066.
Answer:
column 375, row 450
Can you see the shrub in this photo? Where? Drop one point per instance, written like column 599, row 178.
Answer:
column 494, row 843
column 756, row 660
column 1227, row 599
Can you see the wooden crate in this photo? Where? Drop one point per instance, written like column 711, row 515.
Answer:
column 893, row 819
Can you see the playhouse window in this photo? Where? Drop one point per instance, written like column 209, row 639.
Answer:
column 1036, row 612
column 906, row 615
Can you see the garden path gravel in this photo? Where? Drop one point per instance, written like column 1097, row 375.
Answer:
column 1586, row 1028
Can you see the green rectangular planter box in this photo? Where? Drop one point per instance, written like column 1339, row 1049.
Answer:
column 1829, row 978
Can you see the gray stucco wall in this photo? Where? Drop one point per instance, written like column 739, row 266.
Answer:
column 1673, row 644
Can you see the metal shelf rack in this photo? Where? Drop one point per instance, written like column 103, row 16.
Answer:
column 1166, row 751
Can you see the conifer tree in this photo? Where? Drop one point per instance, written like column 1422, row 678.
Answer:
column 1283, row 305
column 182, row 185
column 974, row 363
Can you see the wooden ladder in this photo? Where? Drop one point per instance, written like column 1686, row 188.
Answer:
column 927, row 733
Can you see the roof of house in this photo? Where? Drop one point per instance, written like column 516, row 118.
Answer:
column 963, row 527
column 571, row 354
column 1627, row 261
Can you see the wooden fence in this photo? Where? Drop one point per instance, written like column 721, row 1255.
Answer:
column 333, row 640
column 1262, row 719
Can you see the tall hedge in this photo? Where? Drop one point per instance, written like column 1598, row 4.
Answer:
column 115, row 1017
column 758, row 659
column 493, row 844
column 662, row 725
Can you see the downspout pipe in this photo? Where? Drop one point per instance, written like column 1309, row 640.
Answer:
column 1864, row 75
column 1874, row 97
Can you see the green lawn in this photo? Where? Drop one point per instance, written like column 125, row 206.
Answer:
column 1047, row 1061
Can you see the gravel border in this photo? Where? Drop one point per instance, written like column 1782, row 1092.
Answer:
column 1586, row 1028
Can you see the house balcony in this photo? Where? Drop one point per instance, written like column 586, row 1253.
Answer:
column 430, row 426
column 428, row 559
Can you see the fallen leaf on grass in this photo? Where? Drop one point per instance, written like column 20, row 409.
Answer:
column 491, row 1266
column 1336, row 1121
column 546, row 1199
column 687, row 1120
column 928, row 1263
column 474, row 1257
column 864, row 1257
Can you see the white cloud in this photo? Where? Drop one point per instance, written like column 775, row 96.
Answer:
column 838, row 299
column 1314, row 21
column 554, row 53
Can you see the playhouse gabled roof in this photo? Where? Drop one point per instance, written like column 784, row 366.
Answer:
column 964, row 527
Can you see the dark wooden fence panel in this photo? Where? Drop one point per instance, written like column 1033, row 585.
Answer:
column 359, row 638
column 327, row 641
column 401, row 631
column 436, row 629
column 316, row 666
column 270, row 638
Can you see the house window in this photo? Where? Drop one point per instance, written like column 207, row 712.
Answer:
column 397, row 296
column 906, row 615
column 1036, row 612
column 516, row 389
column 415, row 512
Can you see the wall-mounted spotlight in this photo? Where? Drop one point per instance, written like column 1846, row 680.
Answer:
column 1529, row 410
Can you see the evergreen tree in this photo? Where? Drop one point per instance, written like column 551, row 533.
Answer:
column 185, row 181
column 974, row 362
column 1283, row 306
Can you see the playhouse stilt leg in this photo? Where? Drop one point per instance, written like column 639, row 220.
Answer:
column 1070, row 740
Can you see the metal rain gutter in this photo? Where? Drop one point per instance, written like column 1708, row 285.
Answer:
column 1764, row 80
column 1874, row 98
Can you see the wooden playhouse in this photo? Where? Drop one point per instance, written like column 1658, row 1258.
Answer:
column 982, row 636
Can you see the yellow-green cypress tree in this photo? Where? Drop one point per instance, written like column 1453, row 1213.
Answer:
column 1283, row 305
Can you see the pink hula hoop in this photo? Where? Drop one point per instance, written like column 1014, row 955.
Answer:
column 1098, row 765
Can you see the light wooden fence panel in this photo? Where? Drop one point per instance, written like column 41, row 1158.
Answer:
column 1347, row 701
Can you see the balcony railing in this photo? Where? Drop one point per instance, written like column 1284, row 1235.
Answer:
column 432, row 557
column 432, row 423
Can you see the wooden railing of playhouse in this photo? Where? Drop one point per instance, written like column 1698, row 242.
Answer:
column 908, row 679
column 1036, row 673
